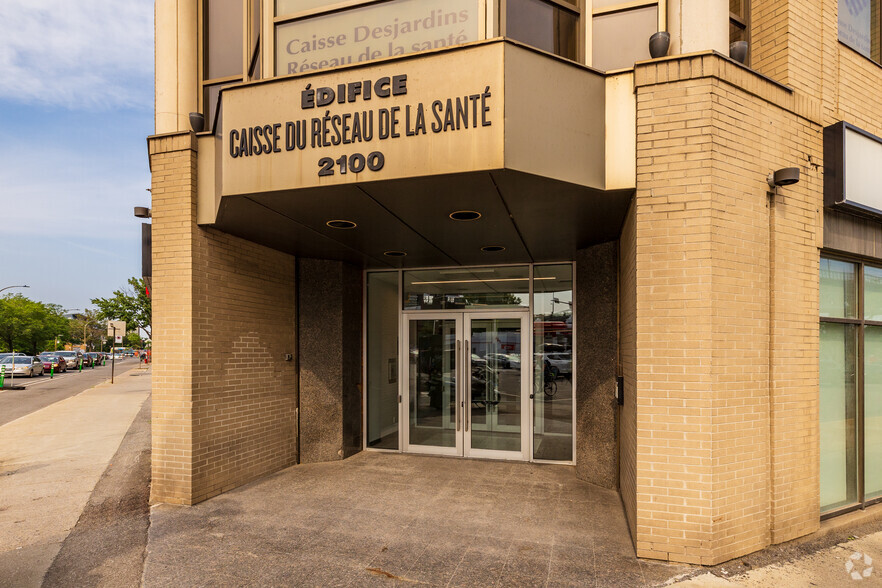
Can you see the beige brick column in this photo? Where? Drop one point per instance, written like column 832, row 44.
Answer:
column 725, row 308
column 173, row 165
column 224, row 335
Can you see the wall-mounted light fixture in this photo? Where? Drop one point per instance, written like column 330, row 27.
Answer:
column 143, row 212
column 197, row 122
column 786, row 176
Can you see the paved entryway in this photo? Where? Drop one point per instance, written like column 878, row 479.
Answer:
column 381, row 519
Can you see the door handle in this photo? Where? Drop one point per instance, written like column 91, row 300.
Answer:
column 458, row 381
column 467, row 381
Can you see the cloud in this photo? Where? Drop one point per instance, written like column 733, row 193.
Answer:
column 77, row 54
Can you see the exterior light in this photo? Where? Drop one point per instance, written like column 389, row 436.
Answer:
column 143, row 212
column 341, row 224
column 197, row 122
column 394, row 253
column 8, row 287
column 493, row 248
column 783, row 177
column 465, row 215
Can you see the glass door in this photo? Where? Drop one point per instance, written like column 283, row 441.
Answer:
column 483, row 414
column 432, row 399
column 496, row 424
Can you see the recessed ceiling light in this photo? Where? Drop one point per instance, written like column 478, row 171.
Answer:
column 465, row 215
column 394, row 253
column 493, row 248
column 341, row 224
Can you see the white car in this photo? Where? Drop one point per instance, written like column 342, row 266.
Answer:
column 22, row 365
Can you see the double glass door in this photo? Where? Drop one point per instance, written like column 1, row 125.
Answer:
column 467, row 391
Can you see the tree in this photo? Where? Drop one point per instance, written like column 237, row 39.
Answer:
column 26, row 325
column 128, row 304
column 86, row 328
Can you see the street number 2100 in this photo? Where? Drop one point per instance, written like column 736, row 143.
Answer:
column 354, row 163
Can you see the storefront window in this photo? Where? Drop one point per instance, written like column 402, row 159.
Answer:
column 850, row 406
column 553, row 362
column 860, row 26
column 382, row 360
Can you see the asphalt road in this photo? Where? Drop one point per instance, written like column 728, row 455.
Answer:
column 42, row 391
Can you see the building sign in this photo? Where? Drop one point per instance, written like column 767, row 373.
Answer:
column 373, row 32
column 854, row 25
column 410, row 118
column 852, row 168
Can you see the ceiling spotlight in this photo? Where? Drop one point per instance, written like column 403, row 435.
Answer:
column 394, row 253
column 341, row 224
column 465, row 215
column 493, row 248
column 783, row 177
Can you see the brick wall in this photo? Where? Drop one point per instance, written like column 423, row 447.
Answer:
column 224, row 398
column 628, row 360
column 726, row 312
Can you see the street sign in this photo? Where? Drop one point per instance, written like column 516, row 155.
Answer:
column 120, row 328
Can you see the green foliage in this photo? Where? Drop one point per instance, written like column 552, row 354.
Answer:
column 129, row 304
column 133, row 340
column 29, row 326
column 87, row 329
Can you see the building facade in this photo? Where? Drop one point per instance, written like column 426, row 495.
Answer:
column 501, row 229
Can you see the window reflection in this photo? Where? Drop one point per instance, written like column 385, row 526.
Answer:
column 553, row 362
column 462, row 288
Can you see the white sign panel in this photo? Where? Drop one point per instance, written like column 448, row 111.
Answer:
column 854, row 25
column 120, row 328
column 863, row 170
column 374, row 32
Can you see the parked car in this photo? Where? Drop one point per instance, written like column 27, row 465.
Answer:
column 23, row 365
column 562, row 361
column 74, row 359
column 51, row 361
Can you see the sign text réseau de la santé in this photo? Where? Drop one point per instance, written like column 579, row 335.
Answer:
column 329, row 129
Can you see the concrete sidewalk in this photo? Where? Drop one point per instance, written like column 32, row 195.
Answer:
column 50, row 461
column 380, row 519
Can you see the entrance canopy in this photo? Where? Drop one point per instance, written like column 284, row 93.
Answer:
column 366, row 164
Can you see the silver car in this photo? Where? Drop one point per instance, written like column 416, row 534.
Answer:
column 74, row 359
column 22, row 365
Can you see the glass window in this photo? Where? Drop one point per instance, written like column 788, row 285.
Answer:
column 860, row 26
column 472, row 288
column 838, row 414
column 872, row 293
column 738, row 20
column 542, row 25
column 838, row 292
column 223, row 31
column 622, row 38
column 553, row 362
column 373, row 32
column 872, row 412
column 382, row 360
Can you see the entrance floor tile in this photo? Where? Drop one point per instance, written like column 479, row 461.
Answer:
column 383, row 519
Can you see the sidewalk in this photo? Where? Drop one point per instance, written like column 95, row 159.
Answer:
column 50, row 461
column 854, row 563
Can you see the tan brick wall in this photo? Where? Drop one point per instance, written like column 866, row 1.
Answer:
column 224, row 398
column 726, row 312
column 628, row 359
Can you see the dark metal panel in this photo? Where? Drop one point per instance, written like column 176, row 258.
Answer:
column 852, row 234
column 146, row 250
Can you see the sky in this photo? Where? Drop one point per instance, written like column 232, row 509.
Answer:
column 76, row 107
